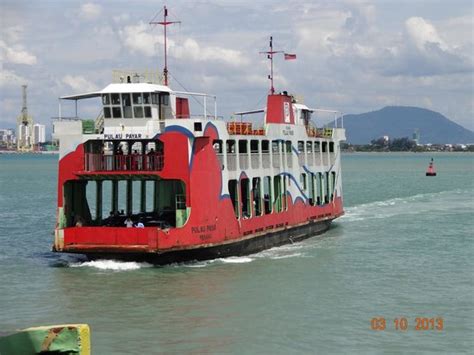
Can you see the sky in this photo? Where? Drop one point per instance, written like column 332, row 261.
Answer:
column 352, row 55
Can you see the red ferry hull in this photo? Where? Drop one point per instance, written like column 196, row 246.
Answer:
column 241, row 247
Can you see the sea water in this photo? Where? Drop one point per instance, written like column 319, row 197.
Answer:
column 404, row 249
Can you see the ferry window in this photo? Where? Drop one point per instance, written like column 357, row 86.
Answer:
column 331, row 147
column 217, row 145
column 107, row 113
column 230, row 146
column 243, row 146
column 325, row 147
column 257, row 196
column 155, row 99
column 138, row 111
column 267, row 194
column 106, row 99
column 116, row 112
column 254, row 146
column 115, row 99
column 288, row 146
column 303, row 181
column 283, row 195
column 164, row 99
column 146, row 98
column 245, row 194
column 300, row 146
column 127, row 106
column 137, row 99
column 233, row 192
column 265, row 147
column 277, row 193
column 275, row 146
column 147, row 111
column 316, row 147
column 309, row 147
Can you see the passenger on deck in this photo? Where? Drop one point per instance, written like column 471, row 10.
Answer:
column 135, row 158
column 150, row 160
column 140, row 224
column 128, row 222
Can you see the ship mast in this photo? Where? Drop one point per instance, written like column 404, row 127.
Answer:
column 270, row 54
column 165, row 23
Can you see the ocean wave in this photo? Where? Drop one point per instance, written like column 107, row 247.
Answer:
column 113, row 265
column 410, row 205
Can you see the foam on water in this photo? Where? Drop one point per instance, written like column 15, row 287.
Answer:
column 112, row 265
column 410, row 205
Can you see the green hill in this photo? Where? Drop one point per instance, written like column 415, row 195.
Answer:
column 402, row 121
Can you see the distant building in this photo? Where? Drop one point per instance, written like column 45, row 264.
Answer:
column 7, row 137
column 416, row 136
column 39, row 133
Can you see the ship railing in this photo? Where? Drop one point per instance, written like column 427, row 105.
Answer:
column 266, row 160
column 255, row 159
column 244, row 161
column 232, row 161
column 301, row 160
column 289, row 160
column 220, row 156
column 325, row 158
column 134, row 162
column 276, row 160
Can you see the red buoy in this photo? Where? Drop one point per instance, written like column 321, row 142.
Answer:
column 431, row 169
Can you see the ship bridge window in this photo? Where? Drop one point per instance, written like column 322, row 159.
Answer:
column 138, row 111
column 116, row 112
column 137, row 99
column 146, row 98
column 107, row 112
column 265, row 146
column 331, row 147
column 105, row 99
column 115, row 99
column 126, row 106
column 288, row 146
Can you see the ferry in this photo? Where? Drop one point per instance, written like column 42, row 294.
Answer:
column 153, row 181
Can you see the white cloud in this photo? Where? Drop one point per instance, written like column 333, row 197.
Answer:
column 10, row 79
column 423, row 33
column 90, row 11
column 138, row 39
column 79, row 84
column 15, row 54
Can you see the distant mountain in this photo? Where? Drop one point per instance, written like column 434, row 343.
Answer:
column 401, row 121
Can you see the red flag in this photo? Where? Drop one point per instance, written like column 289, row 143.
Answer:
column 289, row 56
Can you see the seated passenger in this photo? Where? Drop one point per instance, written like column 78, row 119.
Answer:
column 128, row 222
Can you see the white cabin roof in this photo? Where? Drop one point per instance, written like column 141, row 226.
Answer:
column 120, row 88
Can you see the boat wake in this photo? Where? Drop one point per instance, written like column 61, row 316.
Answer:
column 113, row 265
column 411, row 205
